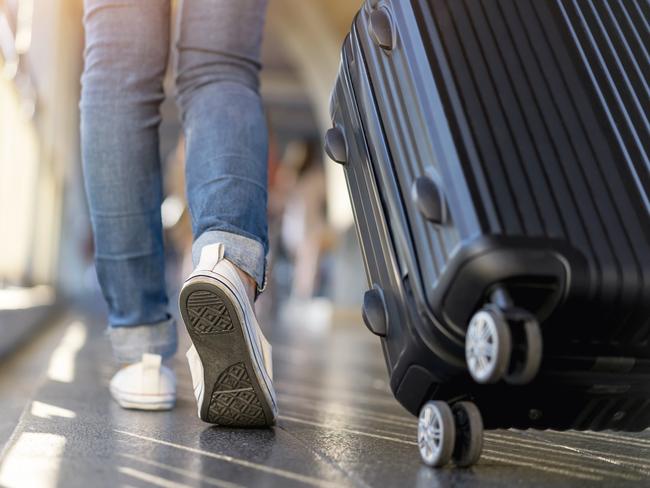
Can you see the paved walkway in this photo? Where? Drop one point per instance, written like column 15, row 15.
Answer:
column 339, row 426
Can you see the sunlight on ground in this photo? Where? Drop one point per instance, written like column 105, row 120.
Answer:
column 33, row 460
column 47, row 411
column 62, row 362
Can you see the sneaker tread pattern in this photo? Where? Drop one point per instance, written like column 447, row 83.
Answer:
column 208, row 313
column 234, row 401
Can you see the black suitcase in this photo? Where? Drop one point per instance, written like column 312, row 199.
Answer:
column 497, row 155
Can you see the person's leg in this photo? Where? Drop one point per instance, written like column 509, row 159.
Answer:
column 226, row 136
column 217, row 81
column 127, row 43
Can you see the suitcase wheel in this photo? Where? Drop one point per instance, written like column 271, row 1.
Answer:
column 469, row 434
column 335, row 145
column 488, row 345
column 436, row 433
column 527, row 353
column 503, row 345
column 446, row 434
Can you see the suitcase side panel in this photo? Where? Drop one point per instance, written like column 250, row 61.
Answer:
column 379, row 217
column 530, row 144
column 594, row 392
column 417, row 133
column 607, row 36
column 614, row 66
column 421, row 141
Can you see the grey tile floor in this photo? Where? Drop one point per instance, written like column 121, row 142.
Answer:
column 339, row 426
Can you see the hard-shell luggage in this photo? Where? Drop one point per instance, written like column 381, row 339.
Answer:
column 497, row 155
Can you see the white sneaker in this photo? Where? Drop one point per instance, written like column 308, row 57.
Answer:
column 230, row 359
column 147, row 385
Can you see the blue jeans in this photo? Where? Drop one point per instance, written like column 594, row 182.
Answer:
column 217, row 78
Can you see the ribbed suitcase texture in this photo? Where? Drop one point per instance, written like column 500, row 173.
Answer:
column 556, row 102
column 531, row 118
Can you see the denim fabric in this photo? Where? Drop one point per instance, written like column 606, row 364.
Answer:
column 126, row 56
column 129, row 343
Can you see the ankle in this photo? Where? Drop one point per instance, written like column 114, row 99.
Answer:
column 249, row 283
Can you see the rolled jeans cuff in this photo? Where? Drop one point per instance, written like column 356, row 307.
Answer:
column 130, row 343
column 245, row 253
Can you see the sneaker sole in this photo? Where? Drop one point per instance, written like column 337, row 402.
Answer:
column 234, row 393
